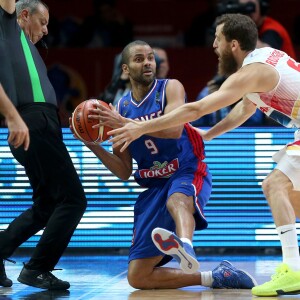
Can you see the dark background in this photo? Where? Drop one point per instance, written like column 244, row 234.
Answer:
column 159, row 22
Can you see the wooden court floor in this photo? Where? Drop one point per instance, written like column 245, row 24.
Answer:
column 104, row 277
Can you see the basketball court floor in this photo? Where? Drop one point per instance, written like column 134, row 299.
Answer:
column 102, row 277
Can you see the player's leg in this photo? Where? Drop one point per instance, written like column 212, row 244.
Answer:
column 294, row 197
column 179, row 245
column 145, row 258
column 143, row 274
column 181, row 208
column 277, row 187
column 185, row 203
column 280, row 189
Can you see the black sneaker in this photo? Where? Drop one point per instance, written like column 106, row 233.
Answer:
column 42, row 280
column 4, row 281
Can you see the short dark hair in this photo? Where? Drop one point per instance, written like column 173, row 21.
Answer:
column 31, row 5
column 126, row 51
column 241, row 28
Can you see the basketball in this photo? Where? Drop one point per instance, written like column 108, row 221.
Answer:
column 83, row 126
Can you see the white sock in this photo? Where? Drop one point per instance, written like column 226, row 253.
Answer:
column 206, row 279
column 289, row 245
column 186, row 240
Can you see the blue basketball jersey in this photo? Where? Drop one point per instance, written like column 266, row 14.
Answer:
column 158, row 159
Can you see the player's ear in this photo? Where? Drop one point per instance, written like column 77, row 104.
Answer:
column 234, row 45
column 125, row 69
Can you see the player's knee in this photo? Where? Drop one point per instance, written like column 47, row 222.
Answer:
column 132, row 280
column 170, row 205
column 267, row 186
column 136, row 280
column 178, row 202
column 274, row 181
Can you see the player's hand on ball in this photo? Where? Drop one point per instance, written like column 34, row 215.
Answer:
column 82, row 125
column 107, row 116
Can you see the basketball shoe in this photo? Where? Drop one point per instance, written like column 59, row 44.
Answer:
column 41, row 279
column 226, row 276
column 4, row 281
column 284, row 282
column 170, row 244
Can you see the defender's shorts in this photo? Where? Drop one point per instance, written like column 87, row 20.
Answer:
column 288, row 162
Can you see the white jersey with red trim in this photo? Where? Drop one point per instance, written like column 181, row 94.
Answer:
column 282, row 103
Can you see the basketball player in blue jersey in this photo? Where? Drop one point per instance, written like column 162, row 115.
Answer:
column 177, row 181
column 267, row 79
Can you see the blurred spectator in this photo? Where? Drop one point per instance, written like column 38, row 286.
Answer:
column 62, row 33
column 105, row 28
column 270, row 32
column 213, row 118
column 163, row 66
column 257, row 119
column 119, row 84
column 69, row 28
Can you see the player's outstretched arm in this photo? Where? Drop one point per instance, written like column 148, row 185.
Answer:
column 256, row 77
column 237, row 116
column 174, row 118
column 183, row 114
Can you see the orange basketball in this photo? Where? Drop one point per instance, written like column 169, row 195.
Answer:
column 83, row 126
